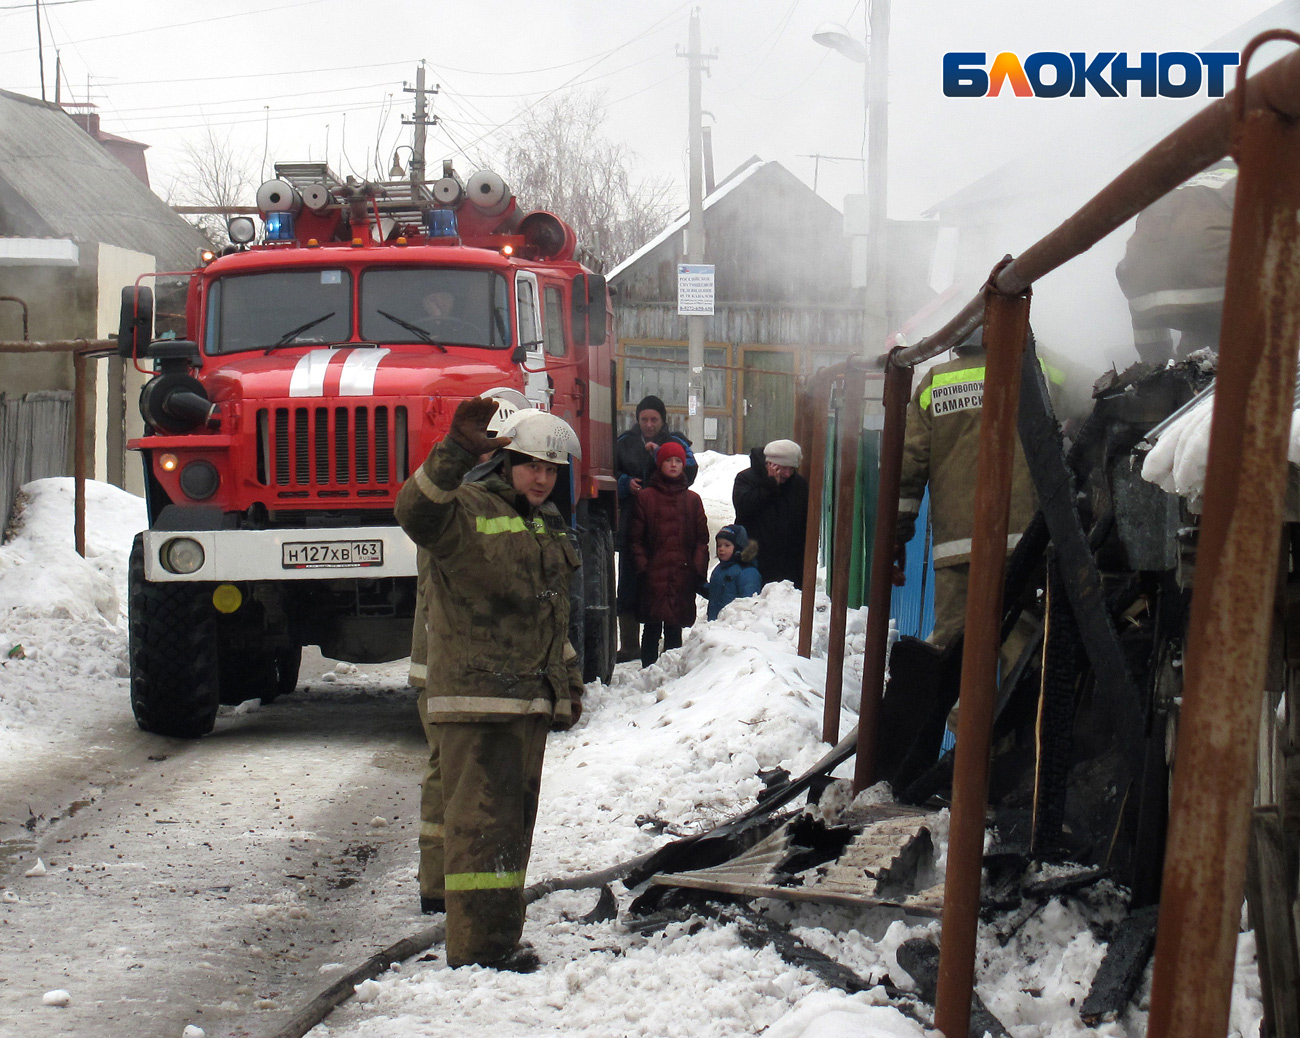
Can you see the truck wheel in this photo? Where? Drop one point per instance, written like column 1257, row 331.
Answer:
column 172, row 643
column 600, row 634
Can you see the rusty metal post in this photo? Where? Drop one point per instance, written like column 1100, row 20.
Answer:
column 819, row 397
column 1006, row 324
column 15, row 299
column 80, row 363
column 846, row 485
column 898, row 391
column 1227, row 641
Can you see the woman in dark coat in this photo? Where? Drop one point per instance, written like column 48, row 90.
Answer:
column 669, row 539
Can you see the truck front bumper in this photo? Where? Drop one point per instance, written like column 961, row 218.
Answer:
column 351, row 553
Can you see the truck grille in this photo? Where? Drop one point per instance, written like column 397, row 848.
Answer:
column 337, row 451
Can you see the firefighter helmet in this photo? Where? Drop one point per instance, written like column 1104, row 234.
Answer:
column 509, row 403
column 542, row 435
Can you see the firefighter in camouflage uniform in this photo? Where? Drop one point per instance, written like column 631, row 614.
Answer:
column 496, row 561
column 941, row 448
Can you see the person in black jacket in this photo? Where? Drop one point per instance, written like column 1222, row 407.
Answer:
column 634, row 464
column 771, row 501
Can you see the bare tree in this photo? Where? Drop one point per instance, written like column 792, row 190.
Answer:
column 219, row 175
column 559, row 159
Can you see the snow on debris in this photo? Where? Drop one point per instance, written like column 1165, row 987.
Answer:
column 669, row 750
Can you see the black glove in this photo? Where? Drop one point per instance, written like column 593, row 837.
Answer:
column 900, row 564
column 469, row 426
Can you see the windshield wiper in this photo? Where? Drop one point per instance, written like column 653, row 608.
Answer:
column 288, row 336
column 414, row 329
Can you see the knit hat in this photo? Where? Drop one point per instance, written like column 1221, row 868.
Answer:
column 652, row 403
column 671, row 449
column 784, row 452
column 735, row 533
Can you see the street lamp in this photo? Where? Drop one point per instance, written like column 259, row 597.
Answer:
column 837, row 37
column 874, row 57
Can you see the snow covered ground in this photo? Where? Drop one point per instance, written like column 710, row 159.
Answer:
column 666, row 751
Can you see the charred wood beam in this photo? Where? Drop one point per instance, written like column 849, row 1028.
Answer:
column 921, row 960
column 1120, row 971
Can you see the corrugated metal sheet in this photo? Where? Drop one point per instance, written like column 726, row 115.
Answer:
column 58, row 181
column 912, row 605
column 34, row 432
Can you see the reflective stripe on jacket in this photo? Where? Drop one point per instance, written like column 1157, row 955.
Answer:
column 941, row 448
column 496, row 595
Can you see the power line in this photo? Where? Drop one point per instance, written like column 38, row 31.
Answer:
column 141, row 30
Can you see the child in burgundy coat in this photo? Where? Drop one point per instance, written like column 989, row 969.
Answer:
column 669, row 540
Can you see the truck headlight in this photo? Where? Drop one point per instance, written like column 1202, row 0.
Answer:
column 182, row 555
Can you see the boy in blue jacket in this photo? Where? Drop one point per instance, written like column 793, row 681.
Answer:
column 735, row 576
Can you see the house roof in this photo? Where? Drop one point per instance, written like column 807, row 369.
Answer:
column 730, row 184
column 58, row 181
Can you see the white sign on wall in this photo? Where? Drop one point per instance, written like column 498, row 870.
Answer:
column 695, row 289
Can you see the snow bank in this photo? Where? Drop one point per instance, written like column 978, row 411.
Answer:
column 660, row 752
column 62, row 617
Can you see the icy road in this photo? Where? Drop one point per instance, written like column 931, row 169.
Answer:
column 212, row 882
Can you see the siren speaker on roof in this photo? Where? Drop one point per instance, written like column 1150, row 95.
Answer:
column 488, row 192
column 277, row 196
column 316, row 197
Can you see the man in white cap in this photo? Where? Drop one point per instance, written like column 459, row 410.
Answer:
column 771, row 501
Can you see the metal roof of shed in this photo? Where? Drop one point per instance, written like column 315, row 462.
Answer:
column 58, row 181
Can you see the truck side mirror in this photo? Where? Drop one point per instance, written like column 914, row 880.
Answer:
column 135, row 323
column 588, row 309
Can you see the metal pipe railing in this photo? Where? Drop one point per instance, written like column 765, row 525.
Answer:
column 1006, row 329
column 850, row 445
column 1236, row 583
column 23, row 304
column 83, row 351
column 818, row 402
column 898, row 390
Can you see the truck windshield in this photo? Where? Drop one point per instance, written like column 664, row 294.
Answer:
column 457, row 307
column 280, row 308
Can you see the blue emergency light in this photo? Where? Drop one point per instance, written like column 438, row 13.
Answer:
column 279, row 226
column 441, row 223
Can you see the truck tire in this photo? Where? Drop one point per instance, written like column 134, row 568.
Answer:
column 600, row 622
column 172, row 644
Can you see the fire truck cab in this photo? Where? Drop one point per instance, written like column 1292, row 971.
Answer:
column 324, row 358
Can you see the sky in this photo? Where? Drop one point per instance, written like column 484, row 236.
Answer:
column 288, row 80
column 292, row 79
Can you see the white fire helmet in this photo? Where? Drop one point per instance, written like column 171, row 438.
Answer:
column 542, row 435
column 509, row 401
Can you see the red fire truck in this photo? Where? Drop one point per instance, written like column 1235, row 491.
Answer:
column 324, row 358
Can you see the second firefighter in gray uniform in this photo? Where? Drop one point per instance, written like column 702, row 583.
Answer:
column 499, row 668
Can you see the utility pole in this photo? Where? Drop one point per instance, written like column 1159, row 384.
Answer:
column 421, row 120
column 877, row 87
column 695, row 236
column 40, row 48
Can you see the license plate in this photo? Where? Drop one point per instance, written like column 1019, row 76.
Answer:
column 326, row 554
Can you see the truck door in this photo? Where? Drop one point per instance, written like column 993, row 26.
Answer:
column 566, row 399
column 536, row 384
